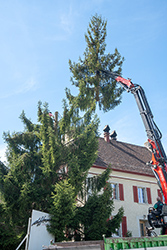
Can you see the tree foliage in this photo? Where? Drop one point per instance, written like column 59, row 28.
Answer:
column 38, row 160
column 63, row 209
column 87, row 74
column 8, row 238
column 91, row 219
column 26, row 186
column 48, row 162
column 114, row 223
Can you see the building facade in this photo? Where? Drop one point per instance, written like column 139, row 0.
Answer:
column 133, row 182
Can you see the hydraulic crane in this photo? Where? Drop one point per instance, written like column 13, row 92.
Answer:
column 158, row 162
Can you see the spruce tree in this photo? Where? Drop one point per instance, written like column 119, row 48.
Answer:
column 38, row 160
column 87, row 74
column 95, row 87
column 49, row 161
column 34, row 157
column 25, row 187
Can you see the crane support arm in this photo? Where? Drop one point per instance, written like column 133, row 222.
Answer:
column 158, row 162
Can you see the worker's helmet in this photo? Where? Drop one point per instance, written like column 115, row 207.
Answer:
column 150, row 210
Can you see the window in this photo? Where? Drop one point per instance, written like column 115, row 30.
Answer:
column 141, row 195
column 89, row 186
column 117, row 191
column 114, row 191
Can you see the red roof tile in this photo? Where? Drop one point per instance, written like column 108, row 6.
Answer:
column 124, row 157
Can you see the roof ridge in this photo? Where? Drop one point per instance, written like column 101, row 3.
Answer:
column 123, row 142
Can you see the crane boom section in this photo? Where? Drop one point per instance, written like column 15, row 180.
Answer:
column 158, row 162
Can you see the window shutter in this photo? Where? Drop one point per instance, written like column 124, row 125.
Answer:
column 124, row 226
column 149, row 196
column 159, row 194
column 121, row 192
column 135, row 194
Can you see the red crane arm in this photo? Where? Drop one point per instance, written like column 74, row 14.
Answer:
column 126, row 82
column 158, row 163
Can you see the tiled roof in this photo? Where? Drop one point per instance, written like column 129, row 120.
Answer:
column 123, row 157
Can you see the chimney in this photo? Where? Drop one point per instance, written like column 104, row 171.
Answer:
column 106, row 133
column 113, row 135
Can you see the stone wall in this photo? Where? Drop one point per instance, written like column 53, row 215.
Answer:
column 79, row 245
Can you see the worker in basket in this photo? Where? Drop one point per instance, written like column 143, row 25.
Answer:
column 155, row 212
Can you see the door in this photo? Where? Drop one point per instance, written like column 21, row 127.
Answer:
column 142, row 228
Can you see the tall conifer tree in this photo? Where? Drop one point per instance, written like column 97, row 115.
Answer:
column 49, row 161
column 87, row 74
column 43, row 156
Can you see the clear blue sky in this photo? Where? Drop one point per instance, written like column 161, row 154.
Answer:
column 37, row 38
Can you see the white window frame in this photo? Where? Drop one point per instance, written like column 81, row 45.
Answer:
column 90, row 190
column 142, row 195
column 115, row 186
